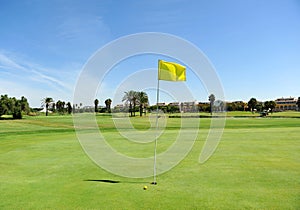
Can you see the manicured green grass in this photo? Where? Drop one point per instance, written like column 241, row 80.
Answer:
column 256, row 166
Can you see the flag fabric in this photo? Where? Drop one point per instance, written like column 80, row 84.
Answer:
column 171, row 71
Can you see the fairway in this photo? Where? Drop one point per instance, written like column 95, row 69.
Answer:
column 256, row 166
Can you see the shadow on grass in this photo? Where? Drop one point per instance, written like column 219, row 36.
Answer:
column 112, row 181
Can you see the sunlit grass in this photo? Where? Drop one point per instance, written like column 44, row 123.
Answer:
column 256, row 166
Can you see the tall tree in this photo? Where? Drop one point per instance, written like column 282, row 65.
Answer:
column 142, row 99
column 220, row 105
column 108, row 104
column 60, row 107
column 24, row 105
column 47, row 102
column 131, row 98
column 134, row 101
column 4, row 105
column 96, row 102
column 259, row 106
column 69, row 108
column 298, row 103
column 211, row 99
column 11, row 106
column 270, row 105
column 252, row 104
column 17, row 110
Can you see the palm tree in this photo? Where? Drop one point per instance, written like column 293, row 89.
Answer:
column 69, row 108
column 142, row 99
column 134, row 101
column 298, row 103
column 60, row 106
column 211, row 99
column 221, row 105
column 46, row 102
column 108, row 104
column 131, row 98
column 96, row 102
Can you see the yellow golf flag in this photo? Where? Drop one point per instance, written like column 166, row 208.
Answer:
column 171, row 71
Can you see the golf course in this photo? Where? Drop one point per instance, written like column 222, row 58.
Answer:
column 255, row 166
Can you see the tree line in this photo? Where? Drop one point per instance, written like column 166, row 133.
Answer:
column 213, row 105
column 60, row 107
column 135, row 101
column 13, row 106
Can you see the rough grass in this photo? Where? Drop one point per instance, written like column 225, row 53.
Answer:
column 256, row 166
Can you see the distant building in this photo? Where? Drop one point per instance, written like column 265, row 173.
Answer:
column 119, row 106
column 188, row 106
column 161, row 104
column 176, row 104
column 203, row 103
column 283, row 104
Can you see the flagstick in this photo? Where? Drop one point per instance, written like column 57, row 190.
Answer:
column 156, row 133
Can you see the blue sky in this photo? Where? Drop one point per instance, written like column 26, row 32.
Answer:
column 253, row 45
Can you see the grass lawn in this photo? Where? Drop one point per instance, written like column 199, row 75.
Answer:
column 256, row 166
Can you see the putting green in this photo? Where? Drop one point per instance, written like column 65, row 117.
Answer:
column 256, row 166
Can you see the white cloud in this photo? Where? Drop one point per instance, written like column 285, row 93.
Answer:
column 23, row 78
column 9, row 63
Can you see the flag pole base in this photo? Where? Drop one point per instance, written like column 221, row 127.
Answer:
column 154, row 183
